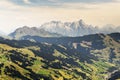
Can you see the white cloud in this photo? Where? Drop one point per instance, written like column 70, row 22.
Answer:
column 27, row 1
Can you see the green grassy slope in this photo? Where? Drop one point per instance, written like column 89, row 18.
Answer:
column 25, row 60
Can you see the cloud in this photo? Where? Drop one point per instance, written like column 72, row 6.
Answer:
column 27, row 1
column 56, row 2
column 53, row 0
column 80, row 6
column 87, row 1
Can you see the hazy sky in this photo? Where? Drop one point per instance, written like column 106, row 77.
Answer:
column 17, row 13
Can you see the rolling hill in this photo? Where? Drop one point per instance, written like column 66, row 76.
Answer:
column 91, row 57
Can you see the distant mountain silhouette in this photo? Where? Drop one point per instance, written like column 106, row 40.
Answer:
column 18, row 33
column 60, row 29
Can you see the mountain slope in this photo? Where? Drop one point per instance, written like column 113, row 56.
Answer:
column 18, row 33
column 90, row 57
column 36, row 61
column 99, row 43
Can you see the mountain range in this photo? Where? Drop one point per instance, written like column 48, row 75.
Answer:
column 61, row 51
column 18, row 33
column 90, row 57
column 60, row 29
column 78, row 28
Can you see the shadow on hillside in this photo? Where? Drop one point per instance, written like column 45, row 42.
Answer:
column 18, row 58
